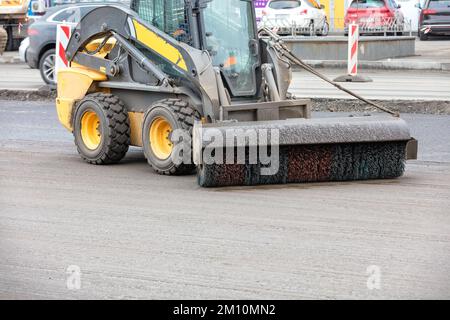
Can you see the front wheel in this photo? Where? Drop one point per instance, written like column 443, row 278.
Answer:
column 325, row 30
column 167, row 135
column 101, row 129
column 3, row 39
column 311, row 29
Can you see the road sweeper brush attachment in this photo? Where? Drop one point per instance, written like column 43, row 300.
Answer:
column 301, row 150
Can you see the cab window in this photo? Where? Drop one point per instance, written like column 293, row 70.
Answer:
column 168, row 16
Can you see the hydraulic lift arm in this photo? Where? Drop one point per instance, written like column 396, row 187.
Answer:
column 128, row 30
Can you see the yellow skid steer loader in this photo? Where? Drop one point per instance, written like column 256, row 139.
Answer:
column 196, row 86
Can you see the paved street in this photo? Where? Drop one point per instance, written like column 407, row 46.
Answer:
column 135, row 234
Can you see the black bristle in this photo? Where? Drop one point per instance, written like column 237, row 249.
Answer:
column 280, row 177
column 315, row 163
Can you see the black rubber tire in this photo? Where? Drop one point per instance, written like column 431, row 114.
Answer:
column 115, row 128
column 10, row 41
column 324, row 34
column 41, row 66
column 311, row 31
column 181, row 115
column 3, row 39
column 423, row 36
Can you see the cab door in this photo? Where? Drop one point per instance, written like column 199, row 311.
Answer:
column 231, row 39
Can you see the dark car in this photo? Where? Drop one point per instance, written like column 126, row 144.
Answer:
column 434, row 18
column 42, row 36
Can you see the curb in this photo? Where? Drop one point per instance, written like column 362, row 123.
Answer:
column 47, row 94
column 401, row 106
column 43, row 94
column 382, row 65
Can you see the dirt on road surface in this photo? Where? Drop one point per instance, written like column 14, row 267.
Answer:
column 134, row 234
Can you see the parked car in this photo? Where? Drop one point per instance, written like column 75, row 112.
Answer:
column 300, row 16
column 24, row 45
column 40, row 52
column 375, row 16
column 434, row 18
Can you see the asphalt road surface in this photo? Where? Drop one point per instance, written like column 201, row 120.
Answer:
column 134, row 234
column 386, row 85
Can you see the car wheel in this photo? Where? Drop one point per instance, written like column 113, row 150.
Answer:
column 47, row 67
column 10, row 41
column 399, row 29
column 325, row 30
column 311, row 29
column 423, row 36
column 3, row 39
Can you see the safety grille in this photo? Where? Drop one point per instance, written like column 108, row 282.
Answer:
column 168, row 16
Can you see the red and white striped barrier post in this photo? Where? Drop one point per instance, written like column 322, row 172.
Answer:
column 352, row 63
column 353, row 45
column 63, row 32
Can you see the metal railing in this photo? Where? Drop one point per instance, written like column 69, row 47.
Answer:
column 368, row 26
column 382, row 26
column 286, row 27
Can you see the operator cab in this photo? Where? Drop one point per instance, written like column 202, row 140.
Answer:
column 226, row 29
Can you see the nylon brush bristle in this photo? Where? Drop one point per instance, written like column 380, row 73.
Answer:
column 315, row 163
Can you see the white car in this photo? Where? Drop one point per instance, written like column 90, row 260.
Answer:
column 24, row 45
column 295, row 17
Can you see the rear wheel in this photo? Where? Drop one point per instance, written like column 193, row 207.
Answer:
column 101, row 129
column 47, row 67
column 423, row 36
column 166, row 136
column 325, row 30
column 10, row 43
column 3, row 39
column 311, row 29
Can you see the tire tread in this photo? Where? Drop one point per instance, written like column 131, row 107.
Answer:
column 186, row 115
column 119, row 129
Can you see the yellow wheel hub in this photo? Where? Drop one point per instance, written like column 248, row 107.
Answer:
column 160, row 131
column 91, row 130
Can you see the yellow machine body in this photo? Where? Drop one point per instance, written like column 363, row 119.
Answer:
column 73, row 85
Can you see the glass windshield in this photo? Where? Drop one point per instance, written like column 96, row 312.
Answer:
column 367, row 4
column 284, row 4
column 230, row 40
